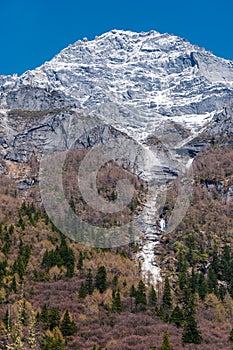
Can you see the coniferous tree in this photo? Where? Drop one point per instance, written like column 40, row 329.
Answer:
column 167, row 297
column 166, row 342
column 188, row 303
column 67, row 256
column 101, row 279
column 177, row 316
column 45, row 260
column 44, row 314
column 212, row 280
column 159, row 311
column 70, row 264
column 202, row 286
column 20, row 265
column 181, row 263
column 222, row 292
column 11, row 230
column 53, row 318
column 141, row 294
column 133, row 292
column 53, row 340
column 14, row 285
column 21, row 223
column 7, row 242
column 89, row 283
column 116, row 301
column 115, row 281
column 191, row 333
column 193, row 282
column 68, row 326
column 80, row 261
column 183, row 279
column 82, row 291
column 152, row 300
column 225, row 264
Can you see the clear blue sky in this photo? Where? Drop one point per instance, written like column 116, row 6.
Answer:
column 33, row 31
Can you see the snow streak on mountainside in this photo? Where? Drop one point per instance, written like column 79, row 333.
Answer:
column 160, row 74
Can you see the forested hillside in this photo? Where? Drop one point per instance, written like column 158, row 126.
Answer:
column 58, row 294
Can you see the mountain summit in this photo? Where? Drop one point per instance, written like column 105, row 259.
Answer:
column 163, row 77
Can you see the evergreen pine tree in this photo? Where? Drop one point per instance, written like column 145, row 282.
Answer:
column 68, row 327
column 67, row 256
column 202, row 286
column 53, row 318
column 159, row 311
column 53, row 340
column 222, row 292
column 44, row 314
column 167, row 297
column 82, row 291
column 116, row 301
column 70, row 263
column 133, row 292
column 115, row 281
column 182, row 280
column 101, row 279
column 225, row 264
column 177, row 316
column 166, row 342
column 212, row 280
column 80, row 261
column 191, row 333
column 193, row 281
column 14, row 285
column 152, row 300
column 89, row 283
column 141, row 294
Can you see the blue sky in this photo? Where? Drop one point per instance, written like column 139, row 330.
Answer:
column 34, row 31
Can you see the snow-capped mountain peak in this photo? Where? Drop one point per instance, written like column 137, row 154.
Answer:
column 160, row 74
